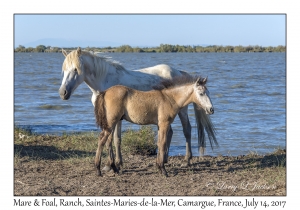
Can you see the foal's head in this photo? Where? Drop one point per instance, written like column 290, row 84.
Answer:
column 202, row 95
column 199, row 90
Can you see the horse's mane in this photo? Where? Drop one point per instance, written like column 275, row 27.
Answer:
column 177, row 81
column 106, row 59
column 101, row 63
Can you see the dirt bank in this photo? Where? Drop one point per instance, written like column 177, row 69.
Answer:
column 76, row 176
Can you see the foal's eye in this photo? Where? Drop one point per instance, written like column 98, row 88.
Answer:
column 75, row 70
column 201, row 94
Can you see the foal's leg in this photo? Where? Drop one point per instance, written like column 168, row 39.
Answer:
column 187, row 129
column 162, row 148
column 110, row 157
column 101, row 142
column 117, row 142
column 169, row 138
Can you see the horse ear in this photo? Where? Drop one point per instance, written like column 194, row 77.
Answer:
column 78, row 51
column 204, row 80
column 64, row 52
column 198, row 81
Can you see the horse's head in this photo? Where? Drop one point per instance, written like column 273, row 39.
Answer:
column 202, row 96
column 73, row 70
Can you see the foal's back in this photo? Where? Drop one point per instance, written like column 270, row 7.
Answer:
column 139, row 107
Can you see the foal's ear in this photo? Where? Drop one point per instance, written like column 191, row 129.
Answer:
column 204, row 80
column 198, row 81
column 64, row 52
column 78, row 51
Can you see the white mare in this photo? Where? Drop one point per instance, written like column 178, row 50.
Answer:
column 101, row 73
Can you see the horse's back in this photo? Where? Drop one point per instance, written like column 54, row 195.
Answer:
column 161, row 70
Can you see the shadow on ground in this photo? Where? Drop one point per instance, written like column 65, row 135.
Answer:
column 48, row 152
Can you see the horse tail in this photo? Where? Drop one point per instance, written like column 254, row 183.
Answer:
column 204, row 123
column 100, row 111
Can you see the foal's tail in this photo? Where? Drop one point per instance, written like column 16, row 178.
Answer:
column 204, row 123
column 100, row 111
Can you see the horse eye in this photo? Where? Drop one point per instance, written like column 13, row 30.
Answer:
column 201, row 94
column 75, row 70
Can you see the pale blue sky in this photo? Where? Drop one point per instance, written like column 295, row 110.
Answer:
column 153, row 30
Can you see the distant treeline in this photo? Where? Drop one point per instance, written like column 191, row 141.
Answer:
column 161, row 48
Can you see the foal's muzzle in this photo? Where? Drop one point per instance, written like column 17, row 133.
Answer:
column 210, row 111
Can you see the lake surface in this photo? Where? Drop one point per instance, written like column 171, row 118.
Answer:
column 248, row 91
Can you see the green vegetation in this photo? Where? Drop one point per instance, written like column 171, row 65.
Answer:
column 79, row 145
column 162, row 48
column 140, row 142
column 45, row 147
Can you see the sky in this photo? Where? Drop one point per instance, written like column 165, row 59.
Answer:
column 149, row 30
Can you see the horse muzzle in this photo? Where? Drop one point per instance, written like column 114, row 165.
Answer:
column 210, row 111
column 64, row 94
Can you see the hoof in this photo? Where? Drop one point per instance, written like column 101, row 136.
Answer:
column 98, row 170
column 99, row 173
column 162, row 170
column 116, row 170
column 164, row 173
column 106, row 169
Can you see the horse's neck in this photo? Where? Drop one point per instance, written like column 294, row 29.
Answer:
column 96, row 72
column 181, row 95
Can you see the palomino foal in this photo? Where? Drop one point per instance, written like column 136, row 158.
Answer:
column 159, row 107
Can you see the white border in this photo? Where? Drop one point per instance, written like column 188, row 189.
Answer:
column 237, row 6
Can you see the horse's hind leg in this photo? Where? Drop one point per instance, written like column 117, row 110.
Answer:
column 110, row 157
column 116, row 135
column 187, row 129
column 101, row 142
column 117, row 142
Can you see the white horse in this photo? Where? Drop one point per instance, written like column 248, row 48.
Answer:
column 101, row 73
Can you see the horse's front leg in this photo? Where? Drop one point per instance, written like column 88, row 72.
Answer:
column 101, row 142
column 117, row 142
column 162, row 148
column 187, row 129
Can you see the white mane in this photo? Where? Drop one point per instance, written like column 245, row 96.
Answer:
column 103, row 64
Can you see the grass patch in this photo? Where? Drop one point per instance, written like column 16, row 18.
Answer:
column 33, row 146
column 140, row 142
column 52, row 147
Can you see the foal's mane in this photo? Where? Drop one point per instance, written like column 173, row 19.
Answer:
column 178, row 81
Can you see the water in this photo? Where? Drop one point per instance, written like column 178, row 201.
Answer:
column 248, row 91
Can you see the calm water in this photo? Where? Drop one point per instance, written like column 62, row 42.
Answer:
column 248, row 91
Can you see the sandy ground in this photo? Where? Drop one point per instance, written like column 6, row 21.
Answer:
column 230, row 176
